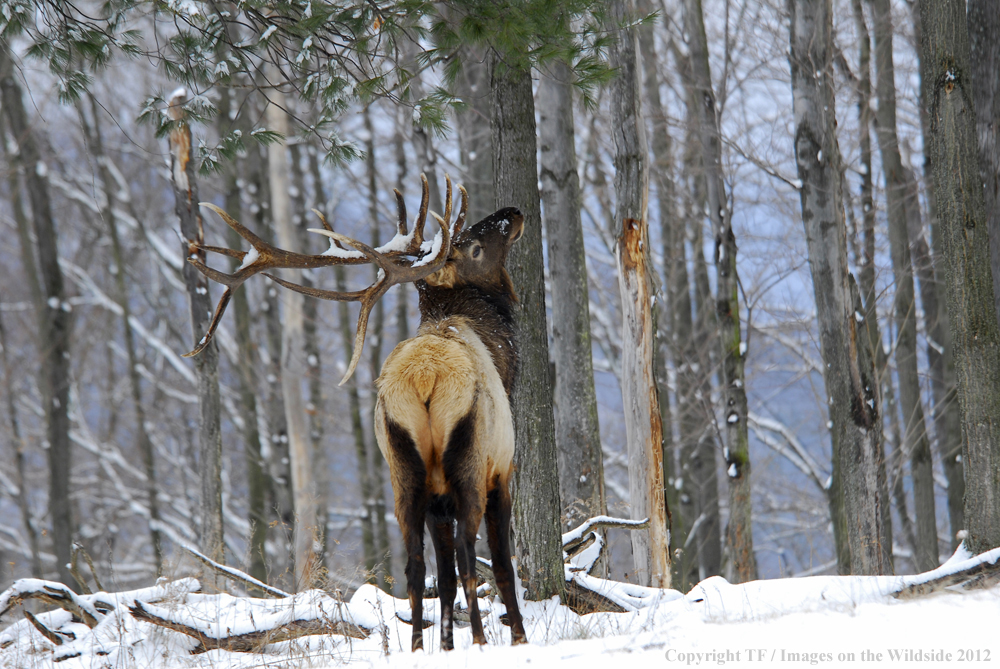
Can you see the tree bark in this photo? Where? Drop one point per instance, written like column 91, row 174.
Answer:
column 984, row 44
column 960, row 209
column 851, row 384
column 915, row 436
column 55, row 324
column 947, row 427
column 376, row 503
column 643, row 423
column 739, row 536
column 536, row 478
column 292, row 363
column 866, row 279
column 206, row 362
column 672, row 240
column 581, row 465
column 472, row 123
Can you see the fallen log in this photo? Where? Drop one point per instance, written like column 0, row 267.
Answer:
column 252, row 641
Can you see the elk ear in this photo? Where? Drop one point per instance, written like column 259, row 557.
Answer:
column 516, row 227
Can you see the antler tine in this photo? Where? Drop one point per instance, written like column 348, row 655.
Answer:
column 418, row 224
column 447, row 198
column 401, row 226
column 462, row 211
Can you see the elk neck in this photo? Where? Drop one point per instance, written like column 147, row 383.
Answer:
column 490, row 314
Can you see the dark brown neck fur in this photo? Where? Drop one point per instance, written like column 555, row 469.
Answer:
column 490, row 313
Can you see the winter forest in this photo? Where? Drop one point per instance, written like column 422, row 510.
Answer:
column 758, row 294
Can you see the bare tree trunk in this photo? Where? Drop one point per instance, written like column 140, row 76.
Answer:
column 95, row 145
column 315, row 402
column 357, row 429
column 292, row 367
column 35, row 290
column 866, row 278
column 473, row 87
column 914, row 428
column 581, row 465
column 672, row 240
column 851, row 384
column 643, row 423
column 206, row 362
column 942, row 371
column 376, row 503
column 984, row 44
column 55, row 323
column 274, row 451
column 256, row 479
column 952, row 150
column 19, row 447
column 739, row 535
column 536, row 478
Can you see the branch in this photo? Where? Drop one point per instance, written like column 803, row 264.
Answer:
column 54, row 593
column 252, row 641
column 236, row 575
column 574, row 540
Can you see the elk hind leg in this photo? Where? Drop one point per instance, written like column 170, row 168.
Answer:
column 463, row 476
column 409, row 482
column 498, row 506
column 442, row 529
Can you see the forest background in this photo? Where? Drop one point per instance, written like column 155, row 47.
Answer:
column 303, row 105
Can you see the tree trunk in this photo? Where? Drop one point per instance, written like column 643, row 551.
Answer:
column 473, row 87
column 698, row 451
column 914, row 428
column 947, row 427
column 643, row 423
column 739, row 536
column 315, row 404
column 866, row 278
column 984, row 44
column 536, row 478
column 19, row 446
column 256, row 480
column 206, row 362
column 851, row 384
column 672, row 240
column 55, row 326
column 581, row 465
column 35, row 290
column 376, row 503
column 292, row 367
column 274, row 450
column 95, row 145
column 952, row 150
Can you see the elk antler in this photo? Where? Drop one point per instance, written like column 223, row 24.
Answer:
column 263, row 257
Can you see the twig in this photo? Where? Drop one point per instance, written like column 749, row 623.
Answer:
column 74, row 569
column 237, row 575
column 252, row 641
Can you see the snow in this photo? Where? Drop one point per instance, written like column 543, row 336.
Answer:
column 435, row 251
column 816, row 620
column 249, row 259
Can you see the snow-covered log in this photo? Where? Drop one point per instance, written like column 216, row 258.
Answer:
column 248, row 642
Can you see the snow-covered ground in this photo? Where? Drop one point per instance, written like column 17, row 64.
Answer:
column 820, row 620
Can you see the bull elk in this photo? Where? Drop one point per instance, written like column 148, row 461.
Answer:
column 442, row 418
